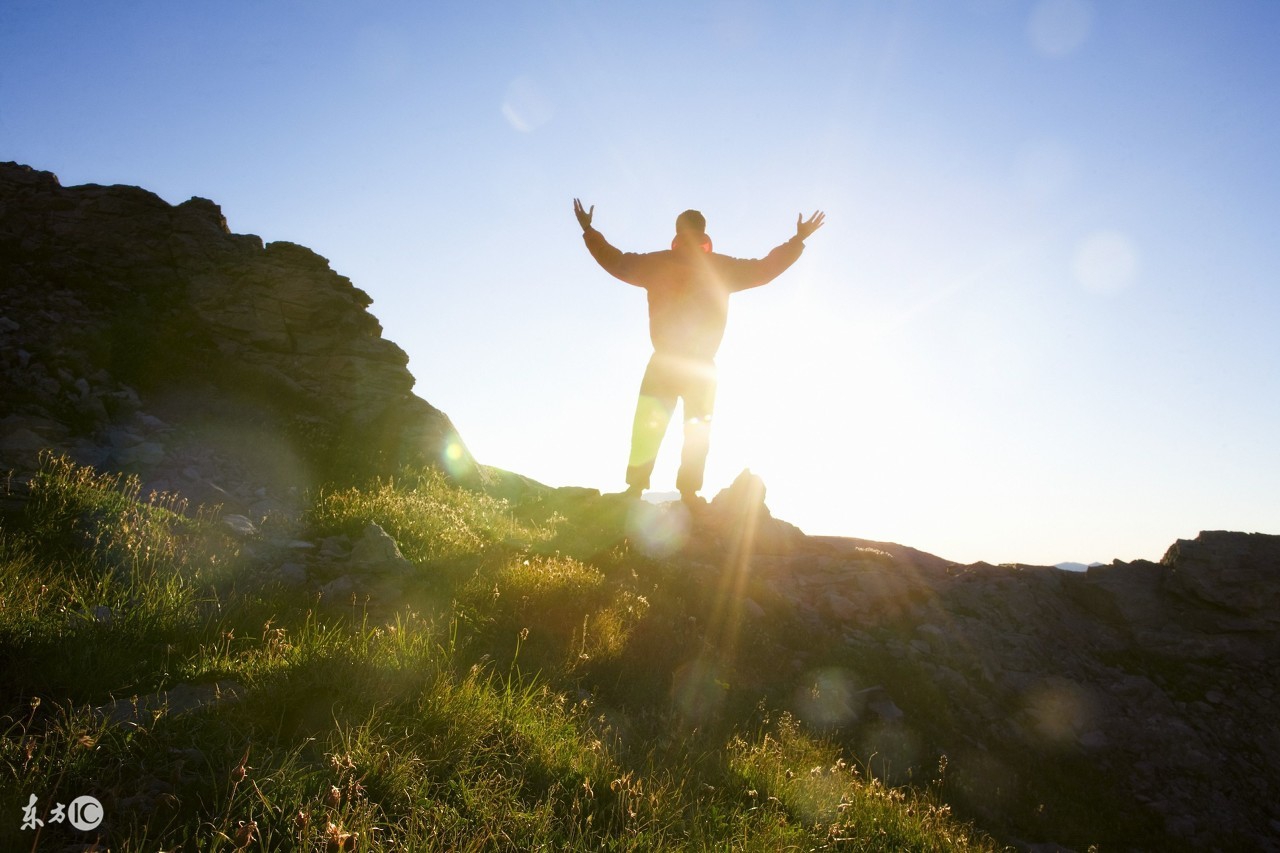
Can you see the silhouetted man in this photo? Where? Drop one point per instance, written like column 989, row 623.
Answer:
column 688, row 287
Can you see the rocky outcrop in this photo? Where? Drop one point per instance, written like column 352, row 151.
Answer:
column 1139, row 695
column 1132, row 705
column 147, row 337
column 1224, row 570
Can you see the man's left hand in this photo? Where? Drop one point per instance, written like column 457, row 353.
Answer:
column 805, row 227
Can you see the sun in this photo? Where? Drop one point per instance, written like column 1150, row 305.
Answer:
column 817, row 404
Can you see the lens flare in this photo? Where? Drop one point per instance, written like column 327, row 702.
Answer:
column 698, row 689
column 455, row 458
column 526, row 106
column 1057, row 28
column 1059, row 710
column 658, row 530
column 829, row 698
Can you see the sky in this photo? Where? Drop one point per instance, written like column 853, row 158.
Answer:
column 1040, row 324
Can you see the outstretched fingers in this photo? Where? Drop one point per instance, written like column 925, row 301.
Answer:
column 584, row 216
column 806, row 227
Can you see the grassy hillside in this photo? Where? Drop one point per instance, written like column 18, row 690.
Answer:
column 514, row 693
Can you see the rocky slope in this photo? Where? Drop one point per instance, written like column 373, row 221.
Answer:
column 1154, row 683
column 147, row 337
column 1136, row 703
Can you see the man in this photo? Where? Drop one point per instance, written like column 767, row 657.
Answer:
column 688, row 288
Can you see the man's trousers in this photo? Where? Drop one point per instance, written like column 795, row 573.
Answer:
column 669, row 378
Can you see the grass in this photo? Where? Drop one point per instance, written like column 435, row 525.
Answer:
column 510, row 701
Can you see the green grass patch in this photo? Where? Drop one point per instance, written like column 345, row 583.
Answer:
column 491, row 723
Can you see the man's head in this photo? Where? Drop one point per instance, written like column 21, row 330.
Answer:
column 691, row 230
column 691, row 222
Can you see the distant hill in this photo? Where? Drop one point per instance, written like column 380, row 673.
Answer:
column 1076, row 567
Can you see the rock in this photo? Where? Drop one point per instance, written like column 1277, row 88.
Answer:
column 148, row 454
column 335, row 547
column 1239, row 572
column 101, row 615
column 1043, row 847
column 122, row 437
column 878, row 702
column 22, row 440
column 338, row 589
column 1093, row 740
column 292, row 574
column 377, row 551
column 150, row 422
column 239, row 526
column 738, row 514
column 116, row 302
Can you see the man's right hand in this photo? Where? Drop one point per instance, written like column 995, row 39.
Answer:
column 584, row 216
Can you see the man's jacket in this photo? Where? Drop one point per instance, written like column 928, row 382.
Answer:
column 689, row 287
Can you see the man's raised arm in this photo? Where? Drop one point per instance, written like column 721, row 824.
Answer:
column 621, row 265
column 748, row 274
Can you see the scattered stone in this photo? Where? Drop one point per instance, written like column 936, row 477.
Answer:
column 1093, row 740
column 146, row 455
column 884, row 708
column 335, row 547
column 338, row 589
column 23, row 440
column 239, row 526
column 378, row 551
column 292, row 574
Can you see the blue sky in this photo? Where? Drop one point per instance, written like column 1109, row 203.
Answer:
column 1040, row 323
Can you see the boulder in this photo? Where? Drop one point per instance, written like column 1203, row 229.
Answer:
column 739, row 515
column 375, row 550
column 1239, row 572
